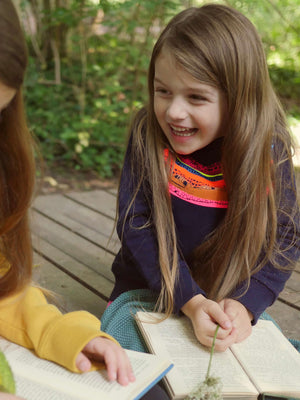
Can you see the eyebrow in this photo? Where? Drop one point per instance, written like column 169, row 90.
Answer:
column 158, row 80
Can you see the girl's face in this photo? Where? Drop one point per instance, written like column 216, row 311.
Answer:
column 191, row 114
column 6, row 95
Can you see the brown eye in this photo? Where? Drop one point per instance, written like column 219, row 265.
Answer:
column 161, row 90
column 197, row 97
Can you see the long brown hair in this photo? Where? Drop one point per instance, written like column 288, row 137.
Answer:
column 220, row 47
column 17, row 166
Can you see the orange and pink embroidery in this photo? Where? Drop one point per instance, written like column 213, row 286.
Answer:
column 196, row 186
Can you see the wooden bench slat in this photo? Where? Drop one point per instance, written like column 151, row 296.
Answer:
column 288, row 318
column 69, row 295
column 113, row 191
column 97, row 200
column 87, row 223
column 81, row 250
column 291, row 292
column 79, row 272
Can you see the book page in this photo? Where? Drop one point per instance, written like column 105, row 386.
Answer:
column 34, row 391
column 270, row 359
column 47, row 377
column 174, row 338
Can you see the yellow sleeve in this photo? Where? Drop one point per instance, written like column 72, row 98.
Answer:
column 30, row 321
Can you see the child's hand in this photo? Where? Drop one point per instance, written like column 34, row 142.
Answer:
column 239, row 316
column 115, row 358
column 6, row 396
column 205, row 316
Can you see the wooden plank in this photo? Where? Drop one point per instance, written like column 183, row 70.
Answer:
column 98, row 200
column 69, row 295
column 113, row 191
column 78, row 248
column 287, row 318
column 77, row 226
column 97, row 283
column 85, row 222
column 291, row 293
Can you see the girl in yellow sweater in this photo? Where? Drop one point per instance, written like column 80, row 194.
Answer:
column 71, row 340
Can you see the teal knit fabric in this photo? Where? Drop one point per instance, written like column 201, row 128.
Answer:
column 118, row 319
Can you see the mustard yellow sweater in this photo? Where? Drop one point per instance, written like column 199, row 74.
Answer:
column 30, row 321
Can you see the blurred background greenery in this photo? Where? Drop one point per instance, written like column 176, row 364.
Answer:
column 88, row 69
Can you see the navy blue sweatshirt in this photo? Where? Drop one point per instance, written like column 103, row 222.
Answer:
column 199, row 202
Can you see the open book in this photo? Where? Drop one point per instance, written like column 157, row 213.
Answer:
column 265, row 363
column 38, row 379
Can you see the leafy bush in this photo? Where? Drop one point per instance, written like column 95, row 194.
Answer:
column 82, row 120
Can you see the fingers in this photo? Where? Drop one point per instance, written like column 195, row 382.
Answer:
column 224, row 339
column 116, row 360
column 118, row 366
column 232, row 308
column 219, row 316
column 222, row 344
column 82, row 363
column 203, row 311
column 205, row 317
column 240, row 317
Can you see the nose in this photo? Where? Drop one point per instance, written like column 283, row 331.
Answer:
column 177, row 109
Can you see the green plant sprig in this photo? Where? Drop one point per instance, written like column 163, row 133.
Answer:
column 211, row 387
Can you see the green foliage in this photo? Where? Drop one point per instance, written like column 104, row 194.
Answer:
column 84, row 121
column 89, row 138
column 278, row 22
column 82, row 118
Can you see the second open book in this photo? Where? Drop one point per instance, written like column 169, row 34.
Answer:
column 266, row 362
column 38, row 379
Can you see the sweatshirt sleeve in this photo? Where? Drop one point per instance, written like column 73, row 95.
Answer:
column 141, row 244
column 30, row 321
column 266, row 285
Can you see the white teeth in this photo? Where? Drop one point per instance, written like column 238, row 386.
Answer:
column 177, row 129
column 184, row 134
column 182, row 131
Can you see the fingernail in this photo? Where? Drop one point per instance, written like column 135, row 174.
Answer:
column 227, row 325
column 84, row 366
column 113, row 376
column 132, row 377
column 126, row 381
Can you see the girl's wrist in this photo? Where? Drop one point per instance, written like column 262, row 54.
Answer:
column 190, row 306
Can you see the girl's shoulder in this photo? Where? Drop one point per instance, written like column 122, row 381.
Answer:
column 282, row 147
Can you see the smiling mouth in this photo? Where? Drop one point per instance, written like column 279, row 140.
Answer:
column 185, row 132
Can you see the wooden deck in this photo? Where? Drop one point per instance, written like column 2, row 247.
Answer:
column 73, row 255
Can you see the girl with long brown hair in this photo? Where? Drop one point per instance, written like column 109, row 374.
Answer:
column 25, row 316
column 208, row 214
